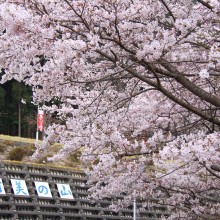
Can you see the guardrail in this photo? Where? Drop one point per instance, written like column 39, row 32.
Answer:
column 35, row 204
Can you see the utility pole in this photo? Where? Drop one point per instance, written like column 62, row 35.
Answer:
column 134, row 201
column 19, row 118
column 134, row 208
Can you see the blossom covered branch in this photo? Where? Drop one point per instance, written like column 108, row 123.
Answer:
column 128, row 81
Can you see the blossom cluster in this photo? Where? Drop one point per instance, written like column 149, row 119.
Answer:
column 134, row 85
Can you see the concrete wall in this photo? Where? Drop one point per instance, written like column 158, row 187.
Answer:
column 33, row 206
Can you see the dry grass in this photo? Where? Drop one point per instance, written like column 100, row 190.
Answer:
column 19, row 150
column 3, row 147
column 43, row 165
column 17, row 139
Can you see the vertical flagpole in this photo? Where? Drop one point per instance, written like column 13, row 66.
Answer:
column 37, row 134
column 37, row 137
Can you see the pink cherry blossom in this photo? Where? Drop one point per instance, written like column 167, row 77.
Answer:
column 134, row 86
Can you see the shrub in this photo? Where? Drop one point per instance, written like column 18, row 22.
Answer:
column 3, row 147
column 73, row 160
column 18, row 153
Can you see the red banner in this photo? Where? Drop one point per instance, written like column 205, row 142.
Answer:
column 40, row 120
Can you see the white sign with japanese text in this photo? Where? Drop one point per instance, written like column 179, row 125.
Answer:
column 2, row 189
column 19, row 187
column 43, row 189
column 64, row 191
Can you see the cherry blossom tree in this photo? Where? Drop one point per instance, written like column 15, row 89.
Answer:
column 135, row 86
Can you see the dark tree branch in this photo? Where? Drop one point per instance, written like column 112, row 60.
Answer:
column 166, row 6
column 215, row 168
column 210, row 170
column 79, row 15
column 202, row 94
column 207, row 5
column 169, row 94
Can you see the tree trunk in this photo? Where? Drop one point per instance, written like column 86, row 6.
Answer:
column 19, row 119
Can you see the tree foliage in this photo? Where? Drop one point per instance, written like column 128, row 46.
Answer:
column 15, row 99
column 2, row 97
column 138, row 89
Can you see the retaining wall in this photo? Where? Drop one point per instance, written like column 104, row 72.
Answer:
column 33, row 206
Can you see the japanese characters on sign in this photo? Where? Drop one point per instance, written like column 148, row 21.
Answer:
column 43, row 189
column 19, row 187
column 64, row 191
column 2, row 189
column 40, row 120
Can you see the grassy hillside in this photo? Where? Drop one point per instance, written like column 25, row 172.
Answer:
column 21, row 149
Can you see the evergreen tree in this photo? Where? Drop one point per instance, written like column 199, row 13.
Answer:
column 18, row 111
column 2, row 98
